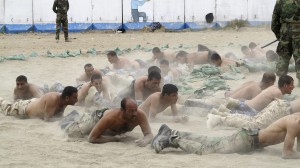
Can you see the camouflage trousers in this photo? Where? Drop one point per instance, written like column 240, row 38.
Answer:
column 274, row 111
column 17, row 109
column 61, row 20
column 78, row 126
column 243, row 141
column 289, row 45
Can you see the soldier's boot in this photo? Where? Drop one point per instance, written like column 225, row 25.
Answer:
column 67, row 38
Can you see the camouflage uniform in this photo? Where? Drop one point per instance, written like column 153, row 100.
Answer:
column 61, row 7
column 286, row 27
column 242, row 141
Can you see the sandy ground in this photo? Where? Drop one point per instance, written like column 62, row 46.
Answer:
column 35, row 143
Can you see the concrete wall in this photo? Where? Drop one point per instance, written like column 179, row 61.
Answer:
column 108, row 14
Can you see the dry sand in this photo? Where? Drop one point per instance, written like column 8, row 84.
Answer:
column 35, row 143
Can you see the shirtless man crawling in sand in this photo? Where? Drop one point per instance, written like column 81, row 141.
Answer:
column 251, row 89
column 89, row 70
column 91, row 90
column 159, row 101
column 259, row 102
column 107, row 125
column 25, row 90
column 142, row 87
column 122, row 63
column 285, row 130
column 50, row 105
column 203, row 57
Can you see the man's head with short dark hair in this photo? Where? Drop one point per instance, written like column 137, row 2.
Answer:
column 169, row 89
column 88, row 65
column 70, row 95
column 252, row 45
column 286, row 84
column 96, row 76
column 181, row 57
column 21, row 83
column 111, row 53
column 154, row 75
column 285, row 80
column 112, row 57
column 21, row 78
column 68, row 91
column 89, row 69
column 215, row 59
column 157, row 53
column 154, row 68
column 156, row 50
column 271, row 56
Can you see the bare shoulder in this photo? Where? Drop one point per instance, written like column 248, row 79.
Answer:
column 32, row 86
column 51, row 96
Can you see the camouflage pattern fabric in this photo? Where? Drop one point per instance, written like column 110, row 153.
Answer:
column 240, row 142
column 61, row 7
column 275, row 110
column 286, row 27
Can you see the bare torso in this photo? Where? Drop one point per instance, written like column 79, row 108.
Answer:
column 141, row 90
column 124, row 63
column 247, row 91
column 49, row 103
column 260, row 101
column 83, row 91
column 197, row 58
column 32, row 91
column 112, row 123
column 277, row 131
column 154, row 104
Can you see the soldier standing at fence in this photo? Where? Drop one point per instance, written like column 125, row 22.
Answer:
column 61, row 7
column 286, row 27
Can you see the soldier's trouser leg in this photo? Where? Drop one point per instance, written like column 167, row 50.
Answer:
column 58, row 26
column 236, row 143
column 65, row 25
column 285, row 51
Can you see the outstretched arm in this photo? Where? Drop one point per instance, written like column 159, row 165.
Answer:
column 144, row 124
column 96, row 134
column 289, row 141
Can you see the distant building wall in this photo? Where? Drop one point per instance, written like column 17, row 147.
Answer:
column 37, row 15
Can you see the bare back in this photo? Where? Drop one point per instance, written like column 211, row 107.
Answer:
column 46, row 106
column 247, row 91
column 197, row 58
column 169, row 56
column 262, row 100
column 125, row 63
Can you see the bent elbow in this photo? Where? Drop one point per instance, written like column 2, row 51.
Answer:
column 91, row 139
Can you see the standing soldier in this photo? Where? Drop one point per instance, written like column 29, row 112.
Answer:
column 61, row 7
column 286, row 27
